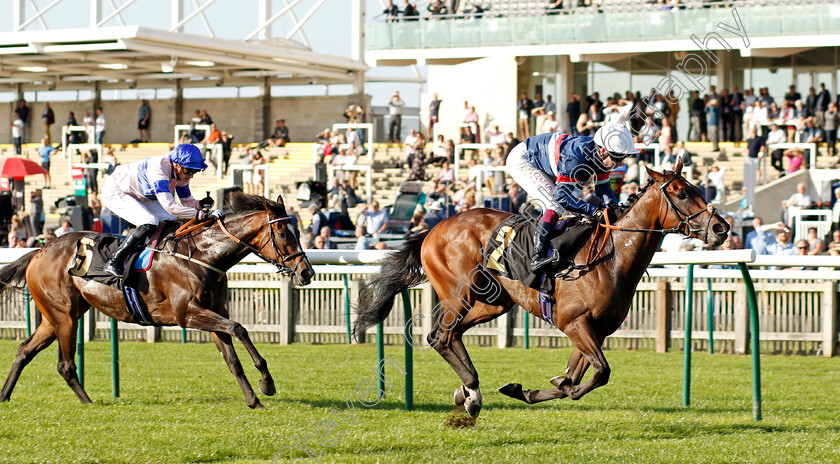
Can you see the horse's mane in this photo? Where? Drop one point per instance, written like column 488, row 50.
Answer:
column 244, row 203
column 633, row 198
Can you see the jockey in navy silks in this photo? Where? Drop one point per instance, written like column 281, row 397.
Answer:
column 142, row 194
column 550, row 167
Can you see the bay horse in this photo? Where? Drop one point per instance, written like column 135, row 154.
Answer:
column 589, row 303
column 189, row 290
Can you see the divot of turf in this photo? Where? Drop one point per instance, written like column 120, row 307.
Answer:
column 459, row 418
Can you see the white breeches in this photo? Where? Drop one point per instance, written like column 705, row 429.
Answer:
column 137, row 212
column 537, row 183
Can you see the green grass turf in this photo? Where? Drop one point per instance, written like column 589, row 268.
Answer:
column 179, row 403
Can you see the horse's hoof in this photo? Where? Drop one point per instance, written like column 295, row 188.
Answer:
column 267, row 387
column 513, row 390
column 472, row 407
column 557, row 381
column 256, row 405
column 460, row 396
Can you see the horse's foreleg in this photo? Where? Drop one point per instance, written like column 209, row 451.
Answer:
column 214, row 322
column 583, row 335
column 266, row 382
column 225, row 345
column 44, row 335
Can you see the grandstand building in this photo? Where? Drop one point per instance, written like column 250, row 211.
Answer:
column 513, row 46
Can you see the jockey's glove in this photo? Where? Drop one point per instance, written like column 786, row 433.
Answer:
column 614, row 210
column 216, row 215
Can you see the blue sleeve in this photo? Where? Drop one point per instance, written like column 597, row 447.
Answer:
column 564, row 194
column 183, row 192
column 605, row 193
column 162, row 186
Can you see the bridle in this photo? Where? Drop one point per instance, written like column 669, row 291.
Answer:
column 281, row 265
column 684, row 227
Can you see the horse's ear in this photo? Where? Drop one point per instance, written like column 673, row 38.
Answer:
column 653, row 174
column 678, row 168
column 280, row 199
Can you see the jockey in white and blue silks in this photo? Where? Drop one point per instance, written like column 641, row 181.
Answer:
column 551, row 166
column 142, row 194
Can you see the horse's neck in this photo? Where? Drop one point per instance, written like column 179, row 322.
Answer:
column 222, row 251
column 634, row 250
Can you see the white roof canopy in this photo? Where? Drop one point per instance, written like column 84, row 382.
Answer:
column 132, row 56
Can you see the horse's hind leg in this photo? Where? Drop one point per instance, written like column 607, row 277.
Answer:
column 44, row 335
column 224, row 343
column 66, row 334
column 583, row 335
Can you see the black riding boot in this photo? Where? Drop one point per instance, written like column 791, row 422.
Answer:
column 539, row 260
column 133, row 241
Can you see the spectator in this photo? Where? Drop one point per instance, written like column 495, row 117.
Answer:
column 36, row 212
column 65, row 228
column 112, row 161
column 821, row 105
column 410, row 145
column 92, row 157
column 434, row 112
column 257, row 176
column 550, row 107
column 495, row 135
column 410, row 12
column 46, row 152
column 468, row 136
column 632, row 174
column 418, row 164
column 18, row 131
column 227, row 149
column 792, row 96
column 22, row 113
column 584, row 126
column 523, row 111
column 681, row 152
column 391, row 11
column 375, row 219
column 471, row 118
column 72, row 137
column 713, row 123
column 830, row 121
column 510, row 142
column 760, row 236
column 395, row 109
column 539, row 117
column 715, row 177
column 815, row 245
column 834, row 245
column 320, row 242
column 435, row 214
column 796, row 159
column 94, row 204
column 795, row 203
column 278, row 138
column 319, row 219
column 755, row 146
column 573, row 111
column 351, row 158
column 205, row 118
column 87, row 121
column 437, row 8
column 777, row 135
column 100, row 125
column 144, row 119
column 810, row 133
column 18, row 227
column 362, row 242
column 517, row 197
column 338, row 162
column 48, row 118
column 782, row 246
column 326, row 233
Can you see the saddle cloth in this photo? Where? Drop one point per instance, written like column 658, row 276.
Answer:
column 92, row 253
column 508, row 252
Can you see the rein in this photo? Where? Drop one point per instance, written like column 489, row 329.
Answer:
column 683, row 228
column 281, row 265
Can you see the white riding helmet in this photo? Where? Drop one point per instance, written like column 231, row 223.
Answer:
column 616, row 139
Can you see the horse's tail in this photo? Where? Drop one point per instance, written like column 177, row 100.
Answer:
column 14, row 274
column 400, row 271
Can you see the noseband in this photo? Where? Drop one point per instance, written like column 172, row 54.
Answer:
column 684, row 226
column 281, row 265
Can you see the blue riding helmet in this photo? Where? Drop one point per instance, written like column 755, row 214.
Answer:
column 188, row 156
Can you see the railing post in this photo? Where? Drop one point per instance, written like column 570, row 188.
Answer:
column 287, row 311
column 710, row 313
column 115, row 359
column 663, row 315
column 689, row 309
column 741, row 321
column 504, row 335
column 347, row 308
column 354, row 298
column 26, row 299
column 90, row 327
column 80, row 351
column 428, row 307
column 829, row 318
column 153, row 334
column 527, row 323
column 754, row 337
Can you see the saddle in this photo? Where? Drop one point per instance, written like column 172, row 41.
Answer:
column 94, row 250
column 509, row 249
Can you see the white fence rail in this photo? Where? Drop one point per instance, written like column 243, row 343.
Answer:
column 797, row 308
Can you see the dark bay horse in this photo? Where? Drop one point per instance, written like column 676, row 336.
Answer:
column 176, row 291
column 589, row 304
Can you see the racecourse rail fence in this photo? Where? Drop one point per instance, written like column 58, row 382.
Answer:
column 797, row 309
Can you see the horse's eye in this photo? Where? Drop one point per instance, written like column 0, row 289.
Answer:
column 281, row 236
column 682, row 195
